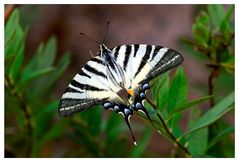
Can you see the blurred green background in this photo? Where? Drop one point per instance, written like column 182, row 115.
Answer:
column 44, row 50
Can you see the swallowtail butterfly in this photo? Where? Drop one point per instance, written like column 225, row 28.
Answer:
column 118, row 79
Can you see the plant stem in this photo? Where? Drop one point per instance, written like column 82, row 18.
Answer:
column 210, row 88
column 26, row 111
column 213, row 74
column 176, row 141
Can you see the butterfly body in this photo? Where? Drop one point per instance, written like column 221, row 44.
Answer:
column 118, row 79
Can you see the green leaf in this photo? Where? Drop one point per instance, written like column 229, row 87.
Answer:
column 197, row 141
column 54, row 75
column 162, row 98
column 52, row 134
column 160, row 87
column 44, row 129
column 201, row 29
column 113, row 128
column 225, row 132
column 185, row 106
column 13, row 46
column 142, row 144
column 11, row 26
column 34, row 61
column 229, row 64
column 178, row 90
column 47, row 83
column 43, row 117
column 14, row 49
column 216, row 14
column 225, row 26
column 51, row 107
column 43, row 58
column 157, row 84
column 26, row 77
column 14, row 69
column 177, row 95
column 60, row 68
column 213, row 114
column 48, row 53
column 93, row 117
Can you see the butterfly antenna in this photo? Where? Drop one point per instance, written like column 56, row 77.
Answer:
column 90, row 39
column 106, row 31
column 135, row 143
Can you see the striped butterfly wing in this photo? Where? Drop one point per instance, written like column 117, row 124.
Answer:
column 143, row 62
column 109, row 77
column 88, row 88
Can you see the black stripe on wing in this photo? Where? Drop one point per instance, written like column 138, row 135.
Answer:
column 69, row 89
column 156, row 50
column 144, row 59
column 86, row 86
column 94, row 71
column 70, row 106
column 169, row 60
column 82, row 73
column 136, row 48
column 127, row 55
column 116, row 52
column 94, row 59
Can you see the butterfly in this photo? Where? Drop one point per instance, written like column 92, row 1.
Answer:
column 118, row 79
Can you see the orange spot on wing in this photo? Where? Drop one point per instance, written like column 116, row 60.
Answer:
column 130, row 91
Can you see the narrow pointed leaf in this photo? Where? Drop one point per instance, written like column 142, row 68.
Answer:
column 197, row 140
column 11, row 26
column 227, row 131
column 216, row 14
column 213, row 114
column 35, row 74
column 112, row 128
column 188, row 105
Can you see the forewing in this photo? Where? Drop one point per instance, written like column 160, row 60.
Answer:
column 145, row 62
column 88, row 88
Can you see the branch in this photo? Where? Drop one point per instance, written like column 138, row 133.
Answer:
column 26, row 111
column 174, row 139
